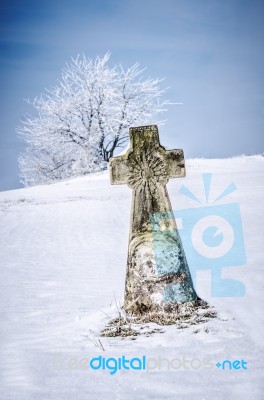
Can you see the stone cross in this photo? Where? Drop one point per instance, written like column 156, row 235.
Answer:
column 157, row 276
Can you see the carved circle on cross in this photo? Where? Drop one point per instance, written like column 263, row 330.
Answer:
column 146, row 169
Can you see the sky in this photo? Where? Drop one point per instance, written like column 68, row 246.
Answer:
column 210, row 53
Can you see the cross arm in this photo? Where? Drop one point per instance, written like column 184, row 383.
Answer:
column 118, row 170
column 175, row 163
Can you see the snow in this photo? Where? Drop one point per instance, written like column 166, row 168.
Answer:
column 63, row 257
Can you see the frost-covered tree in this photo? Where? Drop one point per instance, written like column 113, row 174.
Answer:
column 80, row 122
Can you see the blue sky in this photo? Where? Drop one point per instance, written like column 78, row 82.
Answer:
column 209, row 51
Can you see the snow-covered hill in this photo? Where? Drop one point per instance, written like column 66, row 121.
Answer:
column 63, row 258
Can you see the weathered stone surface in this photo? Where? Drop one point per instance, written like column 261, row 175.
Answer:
column 158, row 276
